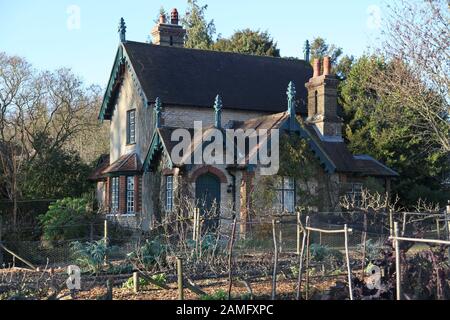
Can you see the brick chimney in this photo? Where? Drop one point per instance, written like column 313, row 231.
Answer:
column 322, row 101
column 169, row 34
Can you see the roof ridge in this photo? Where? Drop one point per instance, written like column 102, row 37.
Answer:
column 218, row 52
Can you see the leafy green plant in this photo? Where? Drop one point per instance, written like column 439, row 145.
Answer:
column 329, row 258
column 373, row 250
column 218, row 295
column 148, row 254
column 90, row 255
column 160, row 279
column 66, row 219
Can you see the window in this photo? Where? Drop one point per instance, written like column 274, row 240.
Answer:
column 354, row 191
column 169, row 193
column 285, row 191
column 130, row 195
column 114, row 195
column 131, row 127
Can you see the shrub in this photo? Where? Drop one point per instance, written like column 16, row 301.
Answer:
column 330, row 258
column 66, row 219
column 150, row 253
column 373, row 250
column 90, row 255
column 218, row 295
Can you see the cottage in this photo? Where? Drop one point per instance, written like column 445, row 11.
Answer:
column 157, row 89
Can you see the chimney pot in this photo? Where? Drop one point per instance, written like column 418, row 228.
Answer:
column 316, row 68
column 174, row 16
column 326, row 66
column 162, row 19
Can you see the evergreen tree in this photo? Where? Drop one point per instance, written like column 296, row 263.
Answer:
column 200, row 32
column 371, row 128
column 249, row 42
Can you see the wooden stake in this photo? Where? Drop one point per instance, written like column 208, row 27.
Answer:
column 391, row 223
column 280, row 240
column 349, row 270
column 438, row 229
column 397, row 261
column 136, row 282
column 307, row 264
column 404, row 224
column 109, row 290
column 18, row 257
column 180, row 278
column 447, row 224
column 298, row 233
column 230, row 258
column 300, row 266
column 1, row 252
column 105, row 238
column 275, row 262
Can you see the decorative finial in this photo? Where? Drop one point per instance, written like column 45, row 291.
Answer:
column 122, row 30
column 307, row 51
column 291, row 93
column 218, row 105
column 158, row 110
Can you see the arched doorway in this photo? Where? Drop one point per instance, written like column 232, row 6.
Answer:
column 207, row 195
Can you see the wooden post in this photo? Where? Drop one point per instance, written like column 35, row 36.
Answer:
column 109, row 289
column 347, row 257
column 105, row 238
column 195, row 228
column 105, row 231
column 1, row 251
column 300, row 265
column 280, row 240
column 391, row 223
column 180, row 278
column 136, row 286
column 447, row 226
column 397, row 261
column 230, row 258
column 438, row 228
column 298, row 233
column 404, row 224
column 275, row 262
column 308, row 234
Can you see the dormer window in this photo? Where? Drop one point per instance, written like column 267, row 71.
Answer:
column 131, row 127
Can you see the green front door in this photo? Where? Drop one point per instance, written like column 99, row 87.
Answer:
column 207, row 195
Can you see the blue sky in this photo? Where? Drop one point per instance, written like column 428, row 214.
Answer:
column 45, row 32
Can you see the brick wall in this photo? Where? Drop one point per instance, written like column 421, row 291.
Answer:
column 137, row 193
column 122, row 194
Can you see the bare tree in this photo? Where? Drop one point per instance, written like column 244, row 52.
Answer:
column 368, row 204
column 417, row 43
column 15, row 82
column 54, row 104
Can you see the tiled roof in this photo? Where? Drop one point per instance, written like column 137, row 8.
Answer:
column 102, row 164
column 127, row 163
column 194, row 77
column 333, row 154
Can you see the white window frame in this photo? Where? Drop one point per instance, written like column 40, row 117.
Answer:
column 131, row 200
column 131, row 127
column 115, row 195
column 355, row 192
column 169, row 193
column 286, row 194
